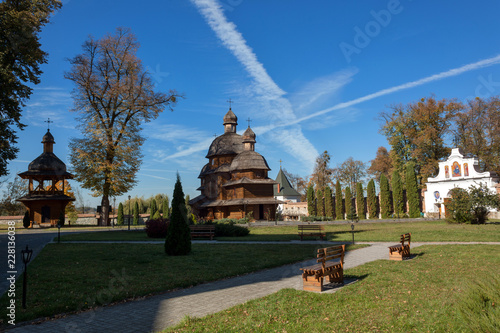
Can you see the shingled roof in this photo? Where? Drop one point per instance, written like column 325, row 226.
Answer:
column 285, row 188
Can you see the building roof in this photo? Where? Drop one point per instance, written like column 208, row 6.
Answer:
column 241, row 202
column 249, row 135
column 226, row 144
column 249, row 160
column 230, row 118
column 285, row 188
column 245, row 180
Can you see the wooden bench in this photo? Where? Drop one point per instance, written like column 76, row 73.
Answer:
column 202, row 231
column 311, row 230
column 330, row 263
column 401, row 250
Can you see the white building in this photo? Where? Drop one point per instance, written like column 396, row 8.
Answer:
column 456, row 171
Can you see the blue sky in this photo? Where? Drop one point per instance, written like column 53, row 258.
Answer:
column 312, row 76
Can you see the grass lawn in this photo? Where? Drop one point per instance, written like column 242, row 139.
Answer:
column 424, row 231
column 453, row 288
column 69, row 277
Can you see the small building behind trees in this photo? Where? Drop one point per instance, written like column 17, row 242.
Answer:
column 458, row 171
column 46, row 174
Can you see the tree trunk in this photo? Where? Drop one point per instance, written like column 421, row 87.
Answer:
column 104, row 211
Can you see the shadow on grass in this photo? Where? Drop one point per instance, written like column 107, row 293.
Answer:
column 348, row 280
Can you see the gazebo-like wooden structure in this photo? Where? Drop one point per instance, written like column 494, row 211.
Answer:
column 46, row 174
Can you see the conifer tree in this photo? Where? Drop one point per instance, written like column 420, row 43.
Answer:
column 385, row 197
column 339, row 207
column 320, row 202
column 348, row 202
column 397, row 193
column 152, row 207
column 178, row 240
column 360, row 201
column 165, row 209
column 328, row 202
column 136, row 213
column 311, row 203
column 371, row 198
column 120, row 218
column 26, row 219
column 412, row 191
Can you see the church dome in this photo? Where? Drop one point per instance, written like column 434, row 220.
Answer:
column 47, row 164
column 48, row 138
column 249, row 160
column 226, row 144
column 230, row 118
column 249, row 135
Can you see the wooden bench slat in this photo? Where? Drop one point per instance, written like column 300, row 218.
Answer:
column 402, row 250
column 331, row 266
column 311, row 230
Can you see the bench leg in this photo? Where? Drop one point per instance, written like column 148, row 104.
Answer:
column 337, row 277
column 311, row 283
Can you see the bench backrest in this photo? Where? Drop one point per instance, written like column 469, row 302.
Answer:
column 406, row 238
column 202, row 227
column 331, row 253
column 311, row 227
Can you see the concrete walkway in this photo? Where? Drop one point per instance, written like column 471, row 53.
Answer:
column 158, row 312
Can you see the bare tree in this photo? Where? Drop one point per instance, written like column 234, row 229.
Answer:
column 113, row 96
column 351, row 172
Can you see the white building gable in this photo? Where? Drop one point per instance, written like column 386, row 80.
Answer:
column 456, row 171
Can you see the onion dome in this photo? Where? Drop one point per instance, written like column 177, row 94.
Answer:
column 249, row 136
column 249, row 160
column 230, row 118
column 226, row 144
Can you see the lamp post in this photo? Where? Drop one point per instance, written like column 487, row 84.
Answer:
column 26, row 259
column 114, row 212
column 129, row 212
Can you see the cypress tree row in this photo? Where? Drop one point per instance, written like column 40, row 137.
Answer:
column 371, row 198
column 136, row 213
column 412, row 191
column 397, row 194
column 178, row 240
column 120, row 218
column 339, row 207
column 311, row 204
column 320, row 202
column 385, row 197
column 348, row 202
column 328, row 202
column 360, row 201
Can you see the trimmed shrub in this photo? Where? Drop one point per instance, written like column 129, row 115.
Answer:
column 311, row 204
column 329, row 210
column 230, row 230
column 360, row 201
column 136, row 213
column 385, row 197
column 120, row 218
column 26, row 220
column 339, row 207
column 62, row 219
column 178, row 240
column 157, row 228
column 412, row 191
column 371, row 198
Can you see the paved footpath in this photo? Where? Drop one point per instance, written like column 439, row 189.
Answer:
column 158, row 312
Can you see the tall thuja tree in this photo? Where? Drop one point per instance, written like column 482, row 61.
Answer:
column 339, row 207
column 385, row 197
column 328, row 202
column 120, row 218
column 371, row 200
column 136, row 213
column 311, row 203
column 152, row 207
column 397, row 193
column 320, row 202
column 165, row 208
column 178, row 240
column 348, row 202
column 412, row 191
column 360, row 201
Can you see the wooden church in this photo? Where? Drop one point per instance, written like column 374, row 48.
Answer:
column 46, row 174
column 235, row 182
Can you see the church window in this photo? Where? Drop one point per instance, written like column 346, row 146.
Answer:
column 455, row 170
column 447, row 171
column 466, row 170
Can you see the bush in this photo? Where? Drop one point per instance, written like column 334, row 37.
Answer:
column 471, row 206
column 157, row 228
column 26, row 220
column 315, row 218
column 230, row 230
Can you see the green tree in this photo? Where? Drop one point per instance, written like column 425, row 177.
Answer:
column 371, row 200
column 152, row 207
column 471, row 206
column 165, row 209
column 397, row 194
column 360, row 201
column 329, row 210
column 61, row 220
column 348, row 202
column 322, row 174
column 136, row 213
column 385, row 197
column 311, row 201
column 339, row 207
column 14, row 190
column 120, row 218
column 21, row 22
column 320, row 202
column 412, row 191
column 178, row 240
column 113, row 95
